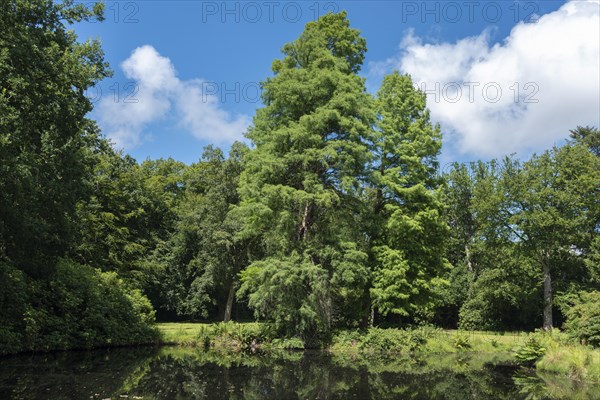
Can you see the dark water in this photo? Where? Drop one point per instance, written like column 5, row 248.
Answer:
column 174, row 373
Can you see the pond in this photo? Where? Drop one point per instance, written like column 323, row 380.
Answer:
column 183, row 373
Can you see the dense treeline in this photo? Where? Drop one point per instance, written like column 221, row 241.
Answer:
column 524, row 236
column 336, row 216
column 50, row 156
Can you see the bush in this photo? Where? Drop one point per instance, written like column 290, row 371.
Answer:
column 530, row 351
column 347, row 338
column 462, row 342
column 233, row 336
column 249, row 334
column 583, row 318
column 76, row 307
column 393, row 340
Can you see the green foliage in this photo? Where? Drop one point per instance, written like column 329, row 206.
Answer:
column 82, row 308
column 409, row 233
column 229, row 336
column 292, row 293
column 393, row 340
column 222, row 336
column 564, row 357
column 587, row 136
column 503, row 297
column 574, row 362
column 13, row 305
column 522, row 231
column 583, row 318
column 346, row 338
column 49, row 157
column 197, row 266
column 462, row 342
column 288, row 344
column 592, row 260
column 130, row 211
column 335, row 217
column 530, row 351
column 551, row 210
column 46, row 142
column 301, row 184
column 459, row 199
column 78, row 307
column 424, row 340
column 368, row 219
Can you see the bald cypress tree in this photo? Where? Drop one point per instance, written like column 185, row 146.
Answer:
column 301, row 187
column 409, row 232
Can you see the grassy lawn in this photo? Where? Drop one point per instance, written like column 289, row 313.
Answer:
column 231, row 335
column 485, row 340
column 561, row 356
column 181, row 332
column 441, row 341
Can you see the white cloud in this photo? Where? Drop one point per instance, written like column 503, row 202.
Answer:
column 208, row 121
column 558, row 58
column 155, row 93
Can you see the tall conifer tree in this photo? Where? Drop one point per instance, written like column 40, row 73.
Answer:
column 300, row 189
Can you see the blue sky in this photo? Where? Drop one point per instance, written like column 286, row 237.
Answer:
column 502, row 77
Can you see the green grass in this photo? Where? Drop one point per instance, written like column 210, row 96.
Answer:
column 425, row 340
column 181, row 333
column 451, row 341
column 574, row 361
column 437, row 341
column 230, row 336
column 561, row 356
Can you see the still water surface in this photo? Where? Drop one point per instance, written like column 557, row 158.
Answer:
column 175, row 373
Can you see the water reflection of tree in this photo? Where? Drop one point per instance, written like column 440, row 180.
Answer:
column 320, row 376
column 70, row 375
column 176, row 373
column 314, row 376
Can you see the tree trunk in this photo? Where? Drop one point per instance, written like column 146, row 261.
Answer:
column 229, row 305
column 547, row 295
column 305, row 224
column 468, row 258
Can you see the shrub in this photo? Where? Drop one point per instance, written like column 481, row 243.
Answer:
column 393, row 340
column 347, row 337
column 530, row 351
column 232, row 336
column 76, row 307
column 583, row 318
column 462, row 342
column 249, row 334
column 205, row 336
